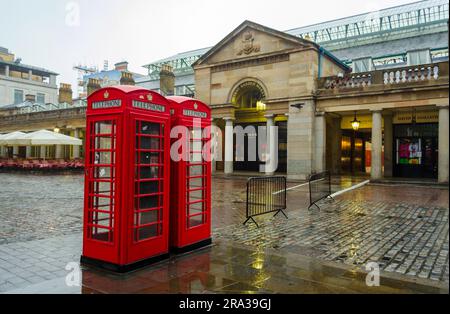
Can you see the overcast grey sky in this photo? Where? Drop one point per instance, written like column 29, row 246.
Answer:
column 50, row 33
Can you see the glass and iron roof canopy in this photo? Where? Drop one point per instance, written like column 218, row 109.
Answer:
column 405, row 20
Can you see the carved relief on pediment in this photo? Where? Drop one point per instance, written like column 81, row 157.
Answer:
column 248, row 45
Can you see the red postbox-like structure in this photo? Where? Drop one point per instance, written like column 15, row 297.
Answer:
column 127, row 179
column 190, row 203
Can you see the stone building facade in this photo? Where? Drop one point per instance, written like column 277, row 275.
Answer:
column 258, row 75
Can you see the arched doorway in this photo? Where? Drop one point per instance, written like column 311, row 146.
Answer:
column 249, row 95
column 248, row 98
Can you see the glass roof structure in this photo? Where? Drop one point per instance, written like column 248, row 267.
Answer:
column 414, row 19
column 409, row 18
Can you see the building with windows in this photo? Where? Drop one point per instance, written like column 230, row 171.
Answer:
column 361, row 95
column 20, row 82
column 108, row 77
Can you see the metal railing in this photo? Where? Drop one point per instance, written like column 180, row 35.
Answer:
column 319, row 188
column 265, row 195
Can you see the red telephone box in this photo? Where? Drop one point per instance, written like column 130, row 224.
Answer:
column 190, row 206
column 127, row 180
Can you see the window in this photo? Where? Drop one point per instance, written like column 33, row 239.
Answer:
column 362, row 65
column 418, row 57
column 40, row 98
column 18, row 96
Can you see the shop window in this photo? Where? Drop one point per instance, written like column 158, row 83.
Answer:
column 409, row 151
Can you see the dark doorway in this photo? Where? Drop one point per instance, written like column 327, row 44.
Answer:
column 242, row 163
column 241, row 153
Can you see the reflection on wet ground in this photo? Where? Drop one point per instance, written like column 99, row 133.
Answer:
column 224, row 268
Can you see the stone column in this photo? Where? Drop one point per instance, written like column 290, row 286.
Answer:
column 7, row 70
column 388, row 142
column 377, row 136
column 28, row 152
column 42, row 152
column 76, row 148
column 59, row 152
column 300, row 140
column 335, row 136
column 228, row 163
column 30, row 74
column 443, row 145
column 320, row 142
column 15, row 151
column 272, row 145
column 213, row 145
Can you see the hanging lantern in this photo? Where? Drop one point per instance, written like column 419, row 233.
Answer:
column 355, row 123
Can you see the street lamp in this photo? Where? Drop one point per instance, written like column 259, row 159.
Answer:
column 355, row 123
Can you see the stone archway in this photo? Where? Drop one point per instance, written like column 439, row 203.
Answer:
column 248, row 93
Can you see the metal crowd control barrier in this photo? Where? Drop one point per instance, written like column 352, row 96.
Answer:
column 265, row 195
column 319, row 188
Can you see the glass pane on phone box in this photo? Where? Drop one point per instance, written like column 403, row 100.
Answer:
column 195, row 171
column 102, row 142
column 104, row 127
column 102, row 202
column 101, row 219
column 100, row 234
column 195, row 195
column 103, row 158
column 149, row 143
column 149, row 158
column 195, row 183
column 148, row 217
column 149, row 128
column 147, row 187
column 149, row 172
column 102, row 172
column 147, row 232
column 196, row 207
column 195, row 157
column 103, row 187
column 148, row 202
column 195, row 220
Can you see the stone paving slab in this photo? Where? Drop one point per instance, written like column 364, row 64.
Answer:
column 31, row 262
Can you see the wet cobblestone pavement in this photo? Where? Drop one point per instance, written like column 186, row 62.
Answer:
column 404, row 228
column 407, row 239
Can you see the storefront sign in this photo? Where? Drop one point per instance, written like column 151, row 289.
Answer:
column 148, row 106
column 421, row 117
column 107, row 104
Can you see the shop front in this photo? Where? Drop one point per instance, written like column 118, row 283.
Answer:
column 416, row 150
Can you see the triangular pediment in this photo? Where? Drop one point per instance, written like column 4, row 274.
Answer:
column 251, row 39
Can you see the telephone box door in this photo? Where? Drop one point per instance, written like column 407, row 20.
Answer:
column 148, row 217
column 101, row 186
column 197, row 187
